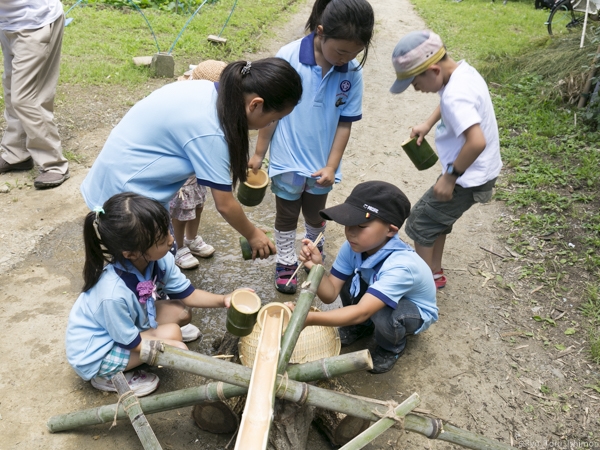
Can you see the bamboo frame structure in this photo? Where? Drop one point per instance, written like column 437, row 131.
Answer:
column 132, row 406
column 383, row 424
column 301, row 393
column 315, row 370
column 253, row 433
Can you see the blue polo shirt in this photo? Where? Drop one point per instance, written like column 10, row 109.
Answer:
column 302, row 140
column 163, row 140
column 110, row 312
column 403, row 275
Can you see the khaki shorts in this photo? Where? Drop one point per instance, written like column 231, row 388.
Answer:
column 430, row 218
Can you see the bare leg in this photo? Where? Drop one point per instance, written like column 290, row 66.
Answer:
column 432, row 255
column 169, row 333
column 172, row 311
column 192, row 226
column 438, row 251
column 179, row 227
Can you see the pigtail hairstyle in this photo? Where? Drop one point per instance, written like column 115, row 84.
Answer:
column 272, row 79
column 349, row 20
column 127, row 222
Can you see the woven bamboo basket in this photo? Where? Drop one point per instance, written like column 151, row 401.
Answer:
column 314, row 342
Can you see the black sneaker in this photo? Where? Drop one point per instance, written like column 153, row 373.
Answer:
column 352, row 333
column 383, row 360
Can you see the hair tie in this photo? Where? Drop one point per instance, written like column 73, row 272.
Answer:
column 98, row 210
column 246, row 68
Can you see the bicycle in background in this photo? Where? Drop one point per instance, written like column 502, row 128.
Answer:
column 568, row 15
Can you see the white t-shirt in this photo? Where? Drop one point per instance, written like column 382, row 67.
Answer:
column 18, row 15
column 464, row 102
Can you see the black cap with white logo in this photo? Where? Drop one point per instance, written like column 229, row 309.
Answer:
column 369, row 200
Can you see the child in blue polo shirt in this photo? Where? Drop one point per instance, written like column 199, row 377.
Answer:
column 385, row 287
column 127, row 268
column 307, row 145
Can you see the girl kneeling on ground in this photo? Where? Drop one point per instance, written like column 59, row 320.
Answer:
column 127, row 268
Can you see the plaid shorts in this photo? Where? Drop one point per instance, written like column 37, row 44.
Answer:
column 114, row 362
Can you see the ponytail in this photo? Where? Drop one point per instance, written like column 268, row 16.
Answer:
column 349, row 20
column 94, row 256
column 272, row 79
column 127, row 222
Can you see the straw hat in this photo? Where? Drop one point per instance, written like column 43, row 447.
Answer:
column 208, row 70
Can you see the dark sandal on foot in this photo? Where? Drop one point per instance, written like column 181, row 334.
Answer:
column 283, row 273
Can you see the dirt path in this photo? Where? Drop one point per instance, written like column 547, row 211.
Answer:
column 475, row 367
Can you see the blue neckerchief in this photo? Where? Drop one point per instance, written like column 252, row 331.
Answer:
column 131, row 277
column 376, row 261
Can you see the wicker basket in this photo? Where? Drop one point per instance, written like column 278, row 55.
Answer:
column 315, row 342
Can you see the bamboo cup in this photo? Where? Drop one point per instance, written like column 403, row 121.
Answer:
column 252, row 191
column 247, row 250
column 241, row 315
column 422, row 156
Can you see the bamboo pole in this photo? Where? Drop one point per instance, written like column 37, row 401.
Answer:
column 132, row 406
column 311, row 371
column 253, row 433
column 301, row 393
column 296, row 324
column 383, row 424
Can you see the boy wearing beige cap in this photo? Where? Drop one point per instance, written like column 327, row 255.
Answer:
column 466, row 140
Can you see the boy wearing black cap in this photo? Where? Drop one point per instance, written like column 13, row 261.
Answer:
column 385, row 287
column 466, row 140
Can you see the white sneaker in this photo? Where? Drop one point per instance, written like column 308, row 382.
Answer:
column 199, row 248
column 190, row 332
column 185, row 260
column 141, row 382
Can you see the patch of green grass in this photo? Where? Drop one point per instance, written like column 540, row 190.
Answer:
column 481, row 30
column 551, row 179
column 101, row 41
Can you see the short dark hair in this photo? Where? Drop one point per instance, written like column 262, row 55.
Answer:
column 349, row 20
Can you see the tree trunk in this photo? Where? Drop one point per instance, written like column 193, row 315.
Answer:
column 340, row 428
column 289, row 430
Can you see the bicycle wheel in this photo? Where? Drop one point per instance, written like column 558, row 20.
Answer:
column 563, row 18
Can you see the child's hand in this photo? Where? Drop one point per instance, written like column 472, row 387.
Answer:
column 290, row 305
column 420, row 130
column 326, row 176
column 255, row 163
column 227, row 297
column 227, row 300
column 444, row 188
column 309, row 254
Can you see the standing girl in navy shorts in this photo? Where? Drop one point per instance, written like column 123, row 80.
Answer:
column 307, row 145
column 128, row 267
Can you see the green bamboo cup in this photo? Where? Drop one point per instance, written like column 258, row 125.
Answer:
column 245, row 245
column 422, row 156
column 242, row 314
column 252, row 191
